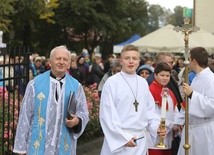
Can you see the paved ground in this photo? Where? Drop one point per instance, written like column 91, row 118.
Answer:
column 90, row 148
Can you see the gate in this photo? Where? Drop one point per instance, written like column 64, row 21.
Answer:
column 14, row 76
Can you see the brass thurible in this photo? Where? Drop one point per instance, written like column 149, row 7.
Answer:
column 161, row 139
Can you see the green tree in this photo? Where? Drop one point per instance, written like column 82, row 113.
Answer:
column 25, row 19
column 156, row 13
column 42, row 24
column 97, row 21
column 47, row 12
column 176, row 18
column 6, row 7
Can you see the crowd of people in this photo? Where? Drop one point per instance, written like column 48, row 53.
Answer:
column 130, row 88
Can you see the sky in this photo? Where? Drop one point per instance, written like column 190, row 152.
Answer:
column 171, row 4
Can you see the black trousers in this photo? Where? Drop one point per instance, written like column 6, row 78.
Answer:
column 175, row 145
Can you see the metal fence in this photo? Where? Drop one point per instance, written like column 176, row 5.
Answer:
column 14, row 76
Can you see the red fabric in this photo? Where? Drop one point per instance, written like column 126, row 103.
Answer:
column 156, row 89
column 183, row 105
column 159, row 152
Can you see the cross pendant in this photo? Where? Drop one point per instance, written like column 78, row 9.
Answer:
column 136, row 105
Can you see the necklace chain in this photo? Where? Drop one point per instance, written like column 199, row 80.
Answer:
column 135, row 97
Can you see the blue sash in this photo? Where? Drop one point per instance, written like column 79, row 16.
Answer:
column 38, row 137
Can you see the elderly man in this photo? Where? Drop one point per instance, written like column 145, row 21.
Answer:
column 43, row 128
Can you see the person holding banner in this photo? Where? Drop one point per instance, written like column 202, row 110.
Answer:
column 166, row 107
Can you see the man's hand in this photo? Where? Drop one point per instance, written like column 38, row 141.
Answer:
column 131, row 143
column 162, row 132
column 187, row 89
column 72, row 122
column 177, row 128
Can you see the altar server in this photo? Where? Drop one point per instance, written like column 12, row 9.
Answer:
column 127, row 109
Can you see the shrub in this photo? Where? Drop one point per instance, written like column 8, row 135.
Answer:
column 93, row 128
column 8, row 120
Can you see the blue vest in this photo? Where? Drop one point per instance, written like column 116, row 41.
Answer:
column 1, row 76
column 38, row 137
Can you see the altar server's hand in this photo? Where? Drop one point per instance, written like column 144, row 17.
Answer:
column 187, row 89
column 131, row 143
column 177, row 127
column 162, row 132
column 72, row 122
